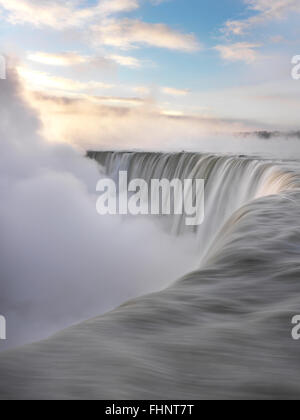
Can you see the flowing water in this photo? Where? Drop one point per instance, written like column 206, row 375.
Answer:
column 222, row 331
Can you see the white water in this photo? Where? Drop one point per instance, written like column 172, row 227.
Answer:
column 223, row 331
column 230, row 182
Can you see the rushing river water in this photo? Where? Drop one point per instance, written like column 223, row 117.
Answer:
column 222, row 331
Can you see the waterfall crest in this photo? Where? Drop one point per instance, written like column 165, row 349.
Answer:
column 230, row 182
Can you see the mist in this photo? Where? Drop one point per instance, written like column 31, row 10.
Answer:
column 60, row 262
column 89, row 124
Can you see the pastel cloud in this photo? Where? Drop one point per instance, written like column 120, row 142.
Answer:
column 58, row 59
column 142, row 90
column 267, row 10
column 126, row 61
column 174, row 91
column 116, row 122
column 61, row 15
column 99, row 22
column 127, row 34
column 38, row 80
column 240, row 51
column 68, row 59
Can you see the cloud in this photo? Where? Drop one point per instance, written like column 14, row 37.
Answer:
column 100, row 24
column 71, row 59
column 127, row 34
column 121, row 101
column 142, row 90
column 125, row 60
column 175, row 92
column 127, row 122
column 267, row 10
column 240, row 51
column 38, row 80
column 274, row 8
column 58, row 59
column 60, row 15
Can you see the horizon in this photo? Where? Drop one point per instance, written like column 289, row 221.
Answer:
column 120, row 67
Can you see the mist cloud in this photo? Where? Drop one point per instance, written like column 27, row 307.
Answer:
column 60, row 262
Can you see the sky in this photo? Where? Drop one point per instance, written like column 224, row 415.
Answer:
column 99, row 70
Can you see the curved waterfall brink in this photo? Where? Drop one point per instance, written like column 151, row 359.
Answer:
column 230, row 182
column 223, row 331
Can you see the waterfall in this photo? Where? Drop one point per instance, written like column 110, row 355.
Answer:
column 230, row 182
column 223, row 331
